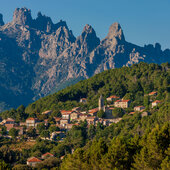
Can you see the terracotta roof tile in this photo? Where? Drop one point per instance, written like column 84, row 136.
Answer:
column 34, row 159
column 156, row 101
column 154, row 92
column 46, row 154
column 113, row 97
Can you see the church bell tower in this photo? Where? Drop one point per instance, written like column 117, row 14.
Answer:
column 101, row 103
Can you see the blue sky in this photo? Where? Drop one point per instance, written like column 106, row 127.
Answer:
column 143, row 21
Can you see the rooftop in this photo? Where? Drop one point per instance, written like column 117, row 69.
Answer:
column 47, row 154
column 122, row 100
column 65, row 112
column 33, row 159
column 114, row 97
column 152, row 93
column 139, row 106
column 156, row 101
column 31, row 118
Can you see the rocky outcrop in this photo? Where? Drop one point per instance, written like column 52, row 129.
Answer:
column 1, row 20
column 37, row 56
column 22, row 16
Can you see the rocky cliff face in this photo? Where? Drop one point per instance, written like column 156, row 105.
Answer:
column 37, row 56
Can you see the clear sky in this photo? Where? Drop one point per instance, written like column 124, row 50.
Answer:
column 143, row 21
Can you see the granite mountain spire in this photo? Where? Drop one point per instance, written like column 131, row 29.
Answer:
column 38, row 57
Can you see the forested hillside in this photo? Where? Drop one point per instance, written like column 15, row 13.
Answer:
column 127, row 82
column 137, row 141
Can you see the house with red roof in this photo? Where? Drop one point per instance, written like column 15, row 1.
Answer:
column 32, row 122
column 93, row 112
column 9, row 123
column 33, row 161
column 154, row 93
column 155, row 103
column 112, row 98
column 83, row 100
column 66, row 114
column 122, row 103
column 47, row 155
column 139, row 108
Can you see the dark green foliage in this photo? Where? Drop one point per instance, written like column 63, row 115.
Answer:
column 101, row 114
column 45, row 134
column 13, row 132
column 3, row 130
column 21, row 167
column 31, row 132
column 17, row 114
column 4, row 165
column 49, row 163
column 53, row 128
column 9, row 156
column 41, row 127
column 117, row 112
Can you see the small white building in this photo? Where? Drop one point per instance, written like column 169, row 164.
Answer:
column 122, row 103
column 66, row 114
column 155, row 103
column 83, row 100
column 32, row 122
column 139, row 108
column 112, row 98
column 33, row 161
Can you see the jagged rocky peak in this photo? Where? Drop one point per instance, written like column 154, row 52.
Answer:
column 88, row 38
column 63, row 32
column 22, row 16
column 88, row 29
column 115, row 31
column 1, row 20
column 61, row 23
column 43, row 23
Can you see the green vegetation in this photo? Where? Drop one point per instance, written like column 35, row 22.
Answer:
column 117, row 112
column 101, row 114
column 136, row 142
column 13, row 133
column 128, row 82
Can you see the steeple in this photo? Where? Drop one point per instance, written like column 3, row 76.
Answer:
column 101, row 103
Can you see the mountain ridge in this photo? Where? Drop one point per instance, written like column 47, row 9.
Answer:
column 37, row 55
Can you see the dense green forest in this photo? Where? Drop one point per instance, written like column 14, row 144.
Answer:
column 136, row 142
column 128, row 82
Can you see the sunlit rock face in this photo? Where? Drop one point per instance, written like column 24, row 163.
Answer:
column 38, row 57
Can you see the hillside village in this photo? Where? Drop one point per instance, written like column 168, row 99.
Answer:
column 33, row 127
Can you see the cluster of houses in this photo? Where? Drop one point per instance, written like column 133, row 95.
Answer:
column 33, row 161
column 70, row 118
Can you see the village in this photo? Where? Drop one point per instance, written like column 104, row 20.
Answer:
column 70, row 118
